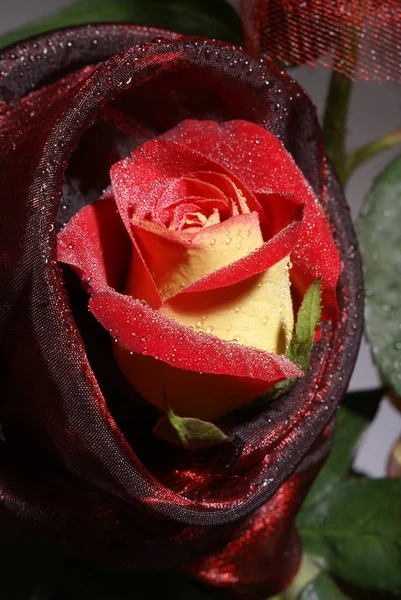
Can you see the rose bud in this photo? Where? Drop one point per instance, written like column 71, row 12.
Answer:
column 80, row 466
column 214, row 227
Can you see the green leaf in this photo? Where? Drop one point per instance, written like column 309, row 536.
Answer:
column 322, row 588
column 190, row 433
column 379, row 234
column 355, row 533
column 208, row 18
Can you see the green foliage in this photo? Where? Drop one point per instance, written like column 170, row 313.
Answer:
column 351, row 527
column 379, row 234
column 355, row 533
column 207, row 18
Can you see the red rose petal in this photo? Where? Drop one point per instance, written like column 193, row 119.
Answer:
column 190, row 188
column 262, row 163
column 97, row 246
column 256, row 262
column 241, row 199
column 138, row 328
column 281, row 209
column 140, row 183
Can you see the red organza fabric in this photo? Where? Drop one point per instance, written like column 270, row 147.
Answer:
column 79, row 465
column 359, row 38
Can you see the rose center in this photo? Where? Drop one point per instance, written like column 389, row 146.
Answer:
column 199, row 200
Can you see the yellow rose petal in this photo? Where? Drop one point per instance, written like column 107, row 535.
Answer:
column 255, row 312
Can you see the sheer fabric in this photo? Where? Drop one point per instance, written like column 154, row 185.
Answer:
column 79, row 465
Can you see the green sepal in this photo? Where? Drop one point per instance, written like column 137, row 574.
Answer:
column 302, row 341
column 190, row 433
column 307, row 320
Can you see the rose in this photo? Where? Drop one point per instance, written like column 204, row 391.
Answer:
column 79, row 464
column 214, row 213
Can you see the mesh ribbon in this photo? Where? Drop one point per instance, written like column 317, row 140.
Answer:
column 79, row 466
column 359, row 38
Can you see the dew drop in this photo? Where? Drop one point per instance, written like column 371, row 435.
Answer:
column 212, row 242
column 228, row 240
column 237, row 309
column 199, row 324
column 209, row 329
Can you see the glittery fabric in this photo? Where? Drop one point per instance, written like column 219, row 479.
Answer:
column 79, row 466
column 361, row 35
column 248, row 566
